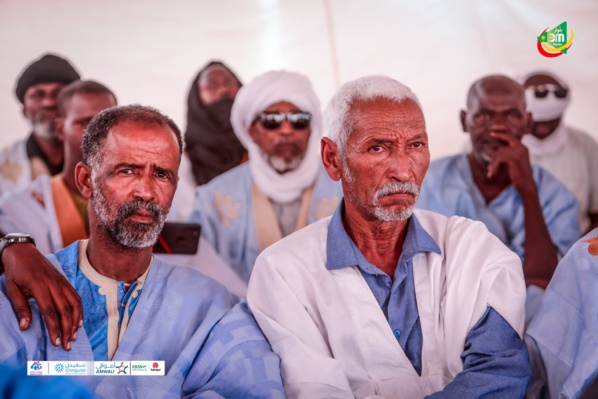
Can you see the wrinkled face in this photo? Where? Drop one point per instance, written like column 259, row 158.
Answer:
column 40, row 107
column 544, row 85
column 387, row 158
column 284, row 147
column 217, row 83
column 498, row 106
column 79, row 110
column 134, row 184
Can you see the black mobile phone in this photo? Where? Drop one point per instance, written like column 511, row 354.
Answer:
column 178, row 238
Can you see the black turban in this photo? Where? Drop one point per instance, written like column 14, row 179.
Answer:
column 48, row 69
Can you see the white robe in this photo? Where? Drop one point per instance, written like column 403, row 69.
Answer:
column 332, row 336
column 15, row 169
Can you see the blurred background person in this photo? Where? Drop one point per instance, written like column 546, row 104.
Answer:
column 41, row 153
column 567, row 153
column 210, row 141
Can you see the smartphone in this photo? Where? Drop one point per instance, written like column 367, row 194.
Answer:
column 178, row 238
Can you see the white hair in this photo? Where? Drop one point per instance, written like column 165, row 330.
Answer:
column 337, row 120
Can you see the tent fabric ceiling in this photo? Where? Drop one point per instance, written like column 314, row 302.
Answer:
column 148, row 51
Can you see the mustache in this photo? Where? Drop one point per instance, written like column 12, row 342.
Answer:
column 135, row 206
column 396, row 188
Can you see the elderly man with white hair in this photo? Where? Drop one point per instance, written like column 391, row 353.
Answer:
column 283, row 187
column 380, row 300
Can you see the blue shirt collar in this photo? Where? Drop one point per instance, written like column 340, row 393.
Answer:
column 340, row 249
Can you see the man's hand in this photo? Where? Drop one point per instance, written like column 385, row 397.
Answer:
column 516, row 157
column 30, row 274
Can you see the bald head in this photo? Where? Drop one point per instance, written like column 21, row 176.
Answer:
column 494, row 84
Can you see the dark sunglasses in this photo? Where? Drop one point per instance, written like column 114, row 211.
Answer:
column 270, row 121
column 542, row 91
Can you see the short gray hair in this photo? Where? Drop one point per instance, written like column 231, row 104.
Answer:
column 337, row 120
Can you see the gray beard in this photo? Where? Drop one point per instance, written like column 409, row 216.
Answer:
column 128, row 233
column 382, row 213
column 281, row 165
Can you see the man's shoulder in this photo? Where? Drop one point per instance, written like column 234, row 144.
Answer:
column 582, row 139
column 303, row 246
column 442, row 228
column 440, row 164
column 186, row 280
column 14, row 149
column 550, row 188
column 232, row 178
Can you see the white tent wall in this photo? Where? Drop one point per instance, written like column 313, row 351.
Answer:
column 148, row 51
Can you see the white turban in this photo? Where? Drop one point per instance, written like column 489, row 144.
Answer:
column 254, row 97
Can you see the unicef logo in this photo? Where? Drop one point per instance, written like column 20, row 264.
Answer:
column 59, row 368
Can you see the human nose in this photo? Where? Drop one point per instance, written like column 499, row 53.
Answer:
column 144, row 188
column 49, row 101
column 399, row 167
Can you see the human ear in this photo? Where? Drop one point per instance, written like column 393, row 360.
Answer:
column 331, row 159
column 83, row 179
column 463, row 116
column 60, row 128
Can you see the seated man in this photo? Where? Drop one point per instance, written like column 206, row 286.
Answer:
column 533, row 213
column 567, row 153
column 562, row 335
column 137, row 307
column 378, row 299
column 40, row 153
column 283, row 186
column 52, row 210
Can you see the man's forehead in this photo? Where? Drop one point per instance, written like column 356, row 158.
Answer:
column 503, row 89
column 213, row 71
column 45, row 86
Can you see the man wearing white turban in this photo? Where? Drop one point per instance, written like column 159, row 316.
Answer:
column 567, row 153
column 283, row 187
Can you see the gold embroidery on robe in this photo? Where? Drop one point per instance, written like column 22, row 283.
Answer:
column 11, row 170
column 225, row 207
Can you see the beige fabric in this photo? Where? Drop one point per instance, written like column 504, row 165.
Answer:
column 266, row 224
column 576, row 166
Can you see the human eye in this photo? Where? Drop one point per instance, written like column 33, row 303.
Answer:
column 418, row 144
column 376, row 149
column 125, row 171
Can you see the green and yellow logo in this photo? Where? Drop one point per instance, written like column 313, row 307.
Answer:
column 556, row 41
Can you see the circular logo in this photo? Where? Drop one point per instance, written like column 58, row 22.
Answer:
column 155, row 365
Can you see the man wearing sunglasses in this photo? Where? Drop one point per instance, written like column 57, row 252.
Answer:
column 567, row 153
column 532, row 212
column 283, row 187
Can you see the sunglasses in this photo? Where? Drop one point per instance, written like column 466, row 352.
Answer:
column 543, row 90
column 270, row 121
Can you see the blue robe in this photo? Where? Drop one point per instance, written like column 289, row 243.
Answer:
column 211, row 347
column 563, row 336
column 449, row 189
column 223, row 207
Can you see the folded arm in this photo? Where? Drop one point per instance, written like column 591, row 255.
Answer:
column 495, row 362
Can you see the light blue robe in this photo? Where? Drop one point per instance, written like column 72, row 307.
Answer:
column 224, row 209
column 212, row 348
column 562, row 338
column 449, row 189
